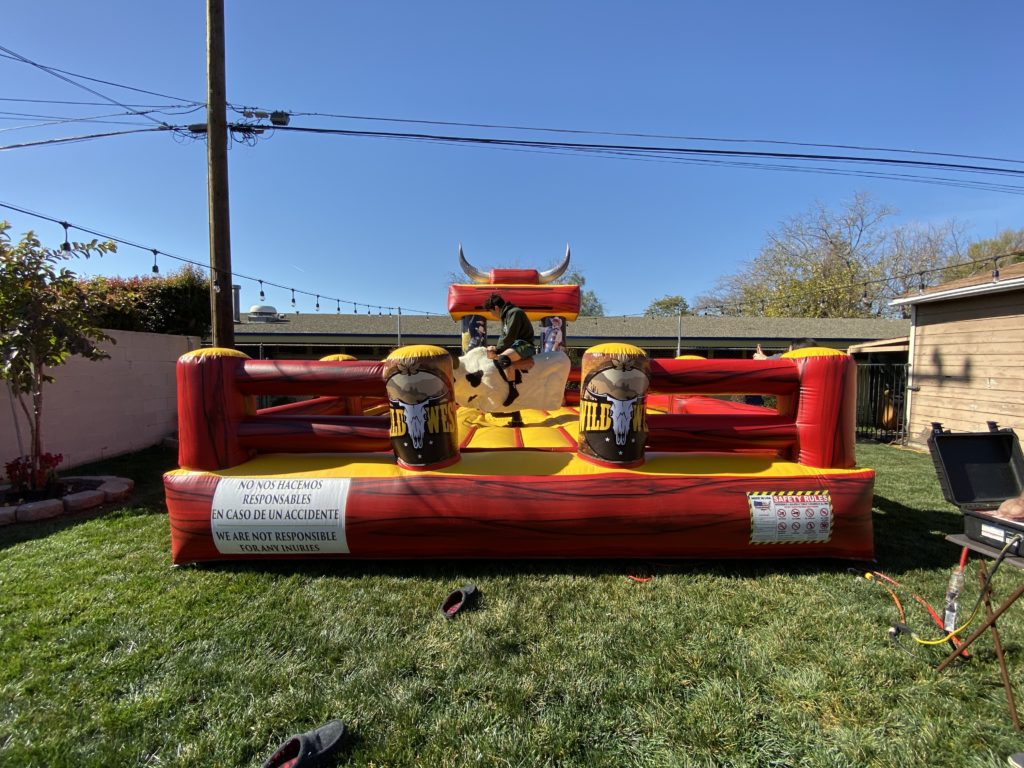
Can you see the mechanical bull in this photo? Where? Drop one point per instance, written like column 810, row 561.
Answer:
column 542, row 387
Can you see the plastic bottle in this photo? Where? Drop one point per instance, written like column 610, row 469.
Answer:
column 956, row 583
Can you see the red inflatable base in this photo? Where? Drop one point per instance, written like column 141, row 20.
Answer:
column 471, row 511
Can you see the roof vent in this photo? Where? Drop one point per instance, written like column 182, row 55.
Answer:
column 263, row 313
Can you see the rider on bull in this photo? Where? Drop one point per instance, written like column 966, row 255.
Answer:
column 515, row 346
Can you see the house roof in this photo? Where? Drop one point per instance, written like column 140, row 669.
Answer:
column 900, row 344
column 649, row 332
column 1011, row 278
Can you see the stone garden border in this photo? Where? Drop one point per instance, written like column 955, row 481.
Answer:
column 100, row 489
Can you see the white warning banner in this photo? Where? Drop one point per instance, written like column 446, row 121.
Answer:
column 260, row 516
column 790, row 517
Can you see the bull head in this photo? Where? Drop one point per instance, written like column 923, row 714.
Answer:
column 543, row 278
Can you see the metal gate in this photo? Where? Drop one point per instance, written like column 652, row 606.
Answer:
column 882, row 402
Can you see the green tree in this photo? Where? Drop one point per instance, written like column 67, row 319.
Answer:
column 667, row 306
column 846, row 262
column 590, row 305
column 1008, row 245
column 44, row 319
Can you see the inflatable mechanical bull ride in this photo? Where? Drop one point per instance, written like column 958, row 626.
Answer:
column 414, row 456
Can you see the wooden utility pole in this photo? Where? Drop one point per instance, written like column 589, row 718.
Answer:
column 221, row 295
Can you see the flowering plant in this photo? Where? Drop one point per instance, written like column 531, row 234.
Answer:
column 26, row 477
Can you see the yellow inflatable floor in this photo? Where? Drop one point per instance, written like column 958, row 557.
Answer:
column 544, row 430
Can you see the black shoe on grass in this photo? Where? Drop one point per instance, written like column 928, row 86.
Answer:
column 309, row 749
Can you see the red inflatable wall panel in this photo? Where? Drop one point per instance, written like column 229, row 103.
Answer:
column 611, row 515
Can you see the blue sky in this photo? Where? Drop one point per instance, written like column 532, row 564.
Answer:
column 378, row 221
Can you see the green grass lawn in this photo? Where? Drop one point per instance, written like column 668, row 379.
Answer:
column 109, row 657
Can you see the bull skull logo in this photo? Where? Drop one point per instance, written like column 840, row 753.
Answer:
column 622, row 415
column 415, row 416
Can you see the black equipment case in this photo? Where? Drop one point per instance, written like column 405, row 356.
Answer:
column 978, row 471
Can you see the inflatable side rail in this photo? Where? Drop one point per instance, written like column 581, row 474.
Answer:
column 814, row 422
column 220, row 426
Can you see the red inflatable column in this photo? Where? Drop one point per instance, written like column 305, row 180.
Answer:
column 424, row 414
column 210, row 408
column 613, row 405
column 826, row 408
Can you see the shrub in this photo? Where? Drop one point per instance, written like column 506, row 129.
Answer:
column 177, row 304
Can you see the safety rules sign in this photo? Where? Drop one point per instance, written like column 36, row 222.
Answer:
column 790, row 517
column 279, row 516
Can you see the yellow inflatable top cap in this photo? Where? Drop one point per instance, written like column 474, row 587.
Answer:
column 417, row 350
column 690, row 357
column 214, row 352
column 339, row 356
column 616, row 348
column 813, row 352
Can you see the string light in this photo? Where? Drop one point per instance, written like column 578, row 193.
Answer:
column 318, row 302
column 67, row 247
column 156, row 269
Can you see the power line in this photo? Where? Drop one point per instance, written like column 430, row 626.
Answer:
column 98, row 103
column 662, row 150
column 568, row 131
column 75, row 139
column 51, row 120
column 692, row 155
column 58, row 74
column 710, row 139
column 933, row 180
column 492, row 126
column 156, row 252
column 9, row 54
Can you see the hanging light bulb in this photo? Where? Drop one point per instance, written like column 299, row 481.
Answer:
column 66, row 247
column 156, row 269
column 920, row 281
column 318, row 302
column 995, row 269
column 263, row 296
column 293, row 297
column 339, row 305
column 355, row 309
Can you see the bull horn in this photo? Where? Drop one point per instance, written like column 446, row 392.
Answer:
column 555, row 272
column 474, row 274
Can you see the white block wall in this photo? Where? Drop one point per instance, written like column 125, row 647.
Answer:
column 94, row 410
